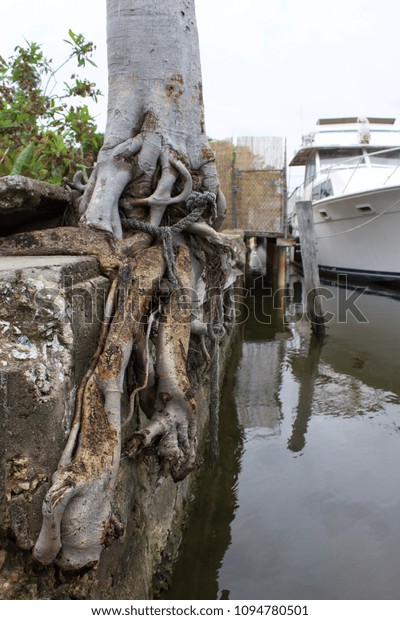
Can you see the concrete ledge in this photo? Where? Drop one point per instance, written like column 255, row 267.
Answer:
column 24, row 200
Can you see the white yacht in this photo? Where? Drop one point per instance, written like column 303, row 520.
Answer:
column 352, row 178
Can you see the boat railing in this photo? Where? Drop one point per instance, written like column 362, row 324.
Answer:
column 344, row 163
column 359, row 159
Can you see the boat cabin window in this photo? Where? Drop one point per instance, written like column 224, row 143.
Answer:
column 337, row 157
column 388, row 158
column 322, row 190
column 311, row 169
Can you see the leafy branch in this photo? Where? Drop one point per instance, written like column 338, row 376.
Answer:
column 43, row 134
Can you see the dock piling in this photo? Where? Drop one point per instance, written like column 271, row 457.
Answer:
column 310, row 266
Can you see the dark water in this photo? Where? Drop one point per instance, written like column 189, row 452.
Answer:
column 304, row 502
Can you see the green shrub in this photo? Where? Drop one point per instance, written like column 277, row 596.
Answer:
column 44, row 135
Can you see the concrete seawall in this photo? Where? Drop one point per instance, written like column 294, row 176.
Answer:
column 50, row 315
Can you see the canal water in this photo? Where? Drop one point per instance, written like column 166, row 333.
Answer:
column 304, row 502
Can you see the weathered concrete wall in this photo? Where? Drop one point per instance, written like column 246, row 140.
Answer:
column 50, row 310
column 27, row 204
column 50, row 313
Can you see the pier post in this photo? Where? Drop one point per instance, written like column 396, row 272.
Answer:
column 269, row 266
column 310, row 266
column 275, row 265
column 281, row 252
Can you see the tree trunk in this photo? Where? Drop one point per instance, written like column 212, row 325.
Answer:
column 156, row 149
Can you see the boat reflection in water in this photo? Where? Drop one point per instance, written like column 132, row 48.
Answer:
column 304, row 501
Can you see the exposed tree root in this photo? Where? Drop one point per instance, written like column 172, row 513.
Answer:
column 72, row 241
column 147, row 171
column 173, row 426
column 77, row 516
column 77, row 509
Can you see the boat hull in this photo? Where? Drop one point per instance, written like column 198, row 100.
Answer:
column 359, row 234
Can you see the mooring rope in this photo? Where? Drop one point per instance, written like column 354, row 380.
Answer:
column 196, row 203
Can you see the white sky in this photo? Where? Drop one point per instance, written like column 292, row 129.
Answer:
column 270, row 67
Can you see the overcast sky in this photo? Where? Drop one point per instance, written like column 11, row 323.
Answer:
column 270, row 67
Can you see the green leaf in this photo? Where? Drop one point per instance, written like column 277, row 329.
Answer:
column 23, row 160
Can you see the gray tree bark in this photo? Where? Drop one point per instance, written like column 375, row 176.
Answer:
column 156, row 148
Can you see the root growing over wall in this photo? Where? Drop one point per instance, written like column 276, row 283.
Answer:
column 150, row 213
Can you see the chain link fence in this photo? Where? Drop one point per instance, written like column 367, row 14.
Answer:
column 253, row 178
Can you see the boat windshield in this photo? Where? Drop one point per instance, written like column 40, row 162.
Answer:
column 384, row 158
column 338, row 157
